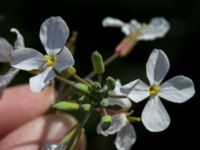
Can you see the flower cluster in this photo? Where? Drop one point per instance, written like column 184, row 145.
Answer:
column 112, row 100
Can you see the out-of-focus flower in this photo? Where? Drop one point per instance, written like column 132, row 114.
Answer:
column 156, row 28
column 6, row 51
column 177, row 89
column 135, row 31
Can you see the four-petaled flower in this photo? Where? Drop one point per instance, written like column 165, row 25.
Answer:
column 54, row 33
column 177, row 89
column 126, row 135
column 157, row 28
column 6, row 52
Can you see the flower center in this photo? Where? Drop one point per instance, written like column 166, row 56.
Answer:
column 153, row 90
column 50, row 60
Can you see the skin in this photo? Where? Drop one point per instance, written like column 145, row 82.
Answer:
column 24, row 124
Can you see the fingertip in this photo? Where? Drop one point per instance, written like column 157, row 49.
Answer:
column 19, row 105
column 40, row 131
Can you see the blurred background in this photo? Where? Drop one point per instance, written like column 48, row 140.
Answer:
column 181, row 45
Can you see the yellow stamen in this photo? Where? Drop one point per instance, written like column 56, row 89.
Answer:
column 154, row 89
column 50, row 60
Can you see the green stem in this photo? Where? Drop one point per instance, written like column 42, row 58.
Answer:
column 68, row 82
column 77, row 132
column 79, row 79
column 99, row 78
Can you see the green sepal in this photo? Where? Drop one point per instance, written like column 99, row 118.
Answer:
column 97, row 61
column 64, row 105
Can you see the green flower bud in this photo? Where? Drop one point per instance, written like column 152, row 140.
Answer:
column 96, row 85
column 69, row 72
column 104, row 102
column 82, row 88
column 98, row 63
column 86, row 107
column 64, row 105
column 110, row 82
column 106, row 122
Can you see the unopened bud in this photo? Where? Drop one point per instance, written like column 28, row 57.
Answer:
column 110, row 82
column 66, row 106
column 96, row 85
column 69, row 72
column 97, row 61
column 86, row 107
column 82, row 88
column 126, row 45
column 105, row 102
column 106, row 122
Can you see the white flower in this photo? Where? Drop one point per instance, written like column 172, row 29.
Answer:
column 54, row 147
column 126, row 135
column 157, row 28
column 6, row 51
column 178, row 89
column 54, row 33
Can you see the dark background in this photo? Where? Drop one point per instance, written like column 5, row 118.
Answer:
column 181, row 45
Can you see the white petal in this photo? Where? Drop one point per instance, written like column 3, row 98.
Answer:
column 136, row 90
column 126, row 137
column 54, row 33
column 118, row 122
column 178, row 89
column 5, row 50
column 40, row 81
column 116, row 91
column 64, row 60
column 112, row 22
column 154, row 116
column 157, row 28
column 27, row 59
column 7, row 78
column 157, row 66
column 19, row 43
column 124, row 103
column 131, row 28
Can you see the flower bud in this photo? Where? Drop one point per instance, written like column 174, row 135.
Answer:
column 82, row 88
column 64, row 105
column 106, row 122
column 97, row 61
column 86, row 107
column 105, row 102
column 69, row 72
column 110, row 82
column 126, row 45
